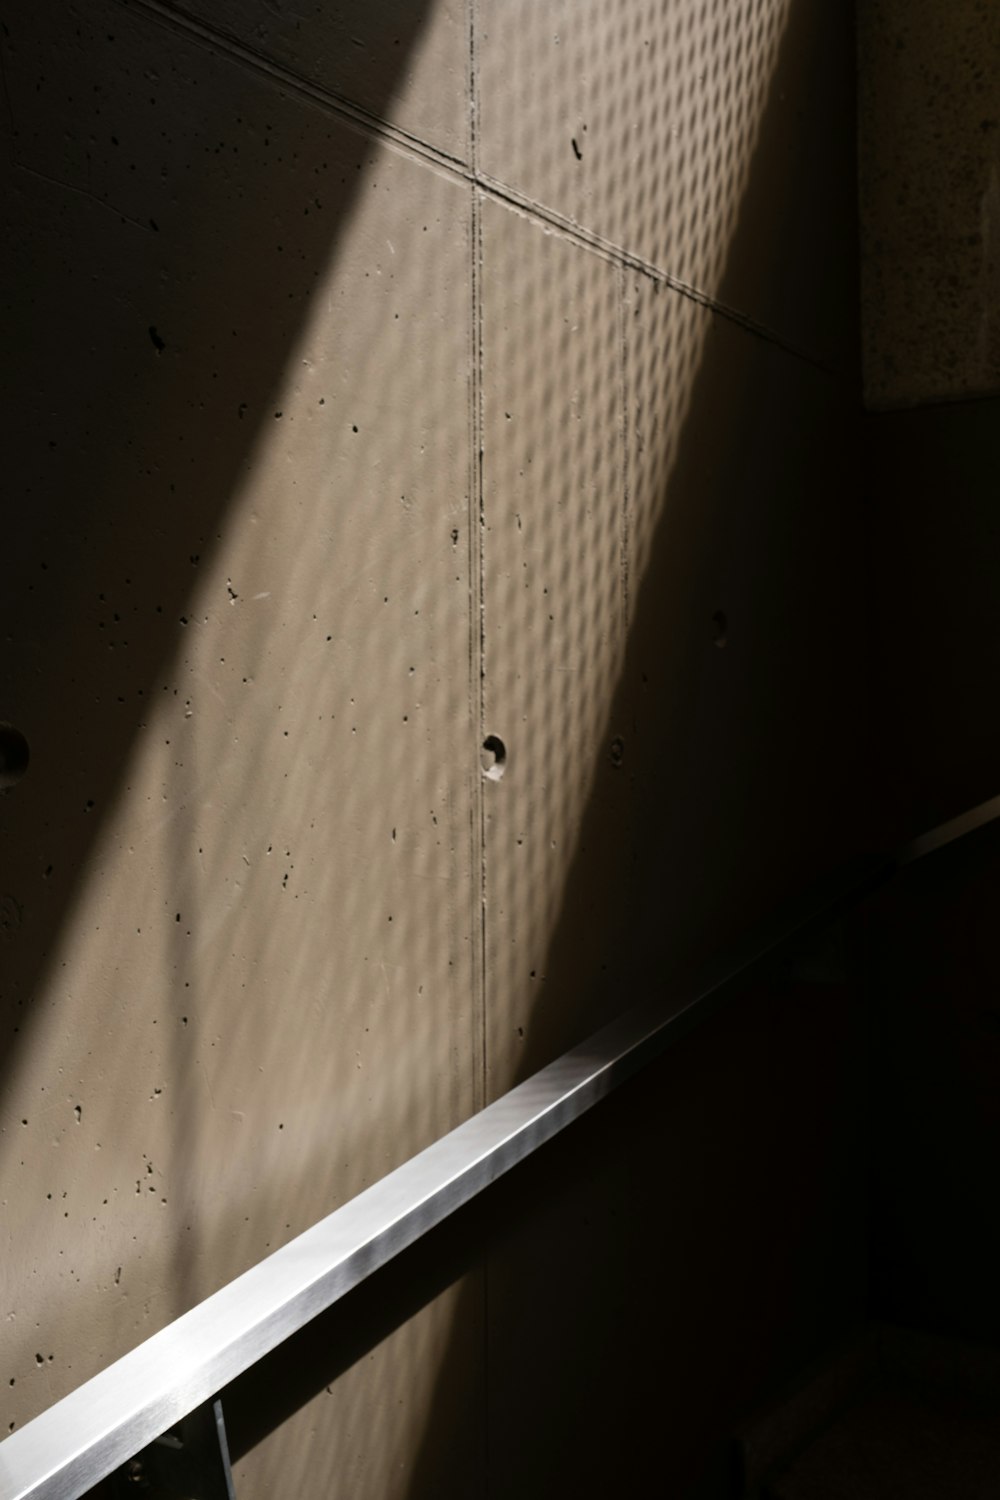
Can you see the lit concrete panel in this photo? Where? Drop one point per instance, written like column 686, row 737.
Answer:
column 403, row 61
column 553, row 599
column 240, row 902
column 644, row 123
column 929, row 115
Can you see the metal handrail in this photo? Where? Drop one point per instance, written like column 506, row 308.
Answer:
column 95, row 1429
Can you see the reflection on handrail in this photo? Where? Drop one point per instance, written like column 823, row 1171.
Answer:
column 96, row 1428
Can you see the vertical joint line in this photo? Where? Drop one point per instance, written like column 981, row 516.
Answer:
column 477, row 519
column 477, row 534
column 473, row 94
column 626, row 467
column 477, row 580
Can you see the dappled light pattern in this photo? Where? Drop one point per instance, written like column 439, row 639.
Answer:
column 637, row 121
column 553, row 548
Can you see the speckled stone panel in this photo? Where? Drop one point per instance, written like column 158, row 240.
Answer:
column 929, row 100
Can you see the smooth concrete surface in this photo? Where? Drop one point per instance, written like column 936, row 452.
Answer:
column 650, row 1278
column 929, row 180
column 344, row 435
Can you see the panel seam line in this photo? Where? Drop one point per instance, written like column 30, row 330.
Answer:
column 372, row 126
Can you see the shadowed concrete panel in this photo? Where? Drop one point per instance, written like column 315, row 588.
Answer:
column 406, row 63
column 931, row 483
column 934, row 977
column 698, row 1232
column 742, row 693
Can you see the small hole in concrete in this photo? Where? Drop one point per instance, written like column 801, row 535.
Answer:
column 14, row 756
column 494, row 757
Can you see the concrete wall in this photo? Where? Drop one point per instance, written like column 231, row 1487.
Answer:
column 383, row 379
column 930, row 112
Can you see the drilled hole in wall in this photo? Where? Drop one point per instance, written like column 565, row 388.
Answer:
column 720, row 628
column 13, row 756
column 494, row 757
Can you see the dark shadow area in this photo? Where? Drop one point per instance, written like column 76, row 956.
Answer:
column 933, row 983
column 930, row 490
